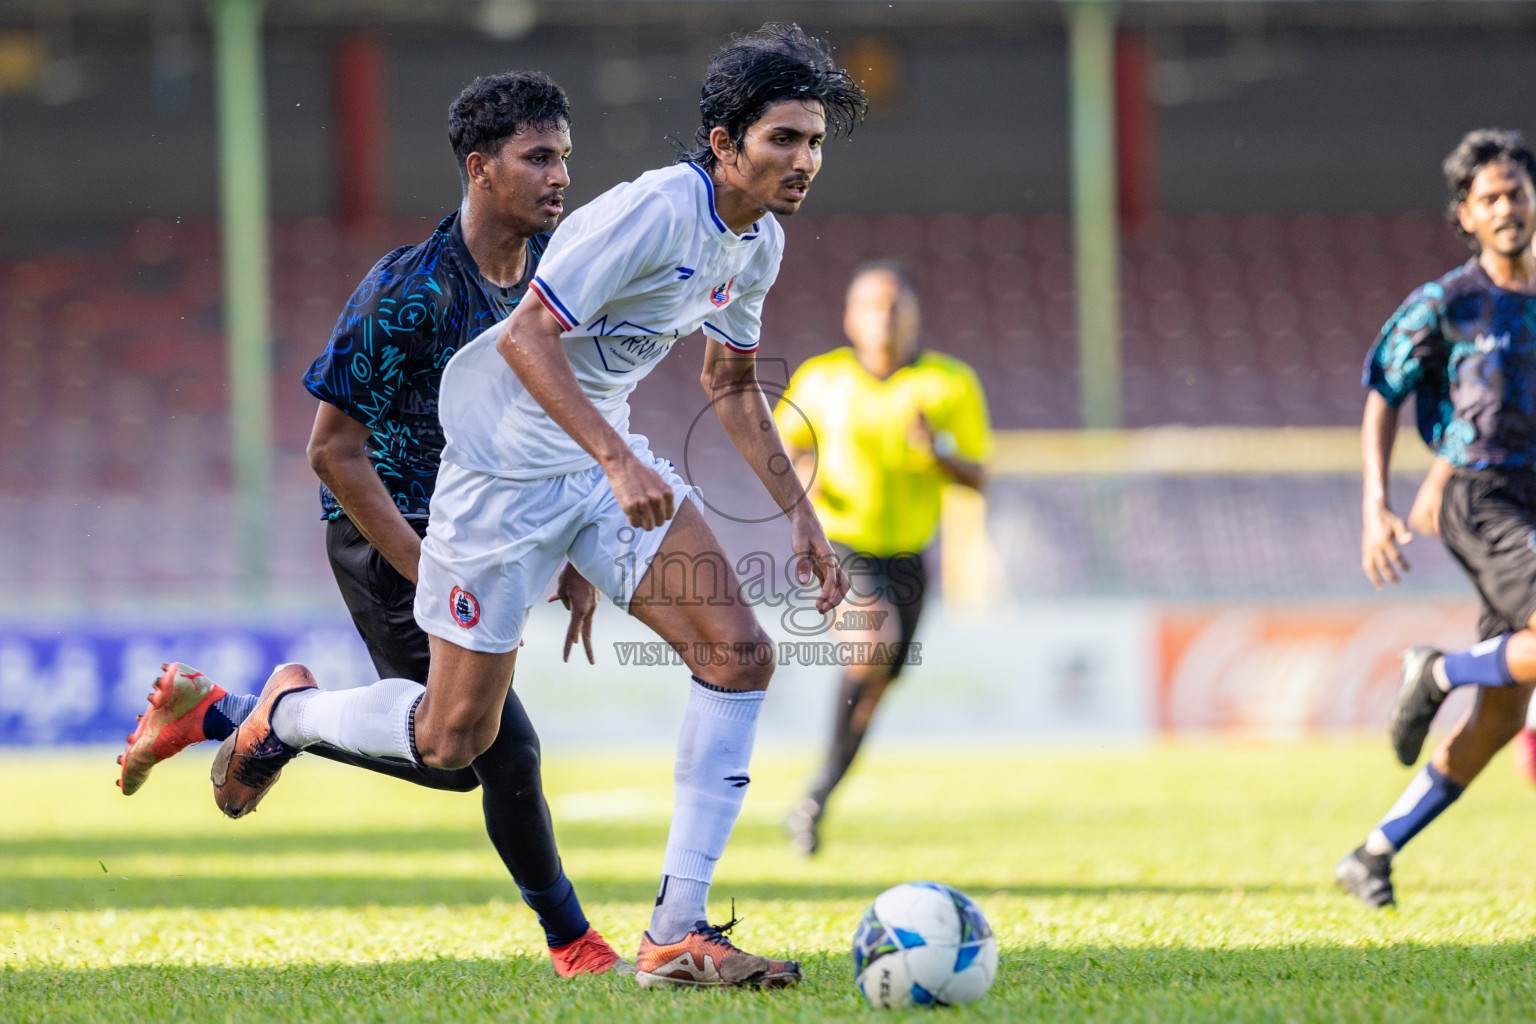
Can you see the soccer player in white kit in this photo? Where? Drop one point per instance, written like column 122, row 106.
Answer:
column 539, row 465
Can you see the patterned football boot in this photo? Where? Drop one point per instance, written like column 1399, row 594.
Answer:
column 706, row 958
column 174, row 721
column 251, row 759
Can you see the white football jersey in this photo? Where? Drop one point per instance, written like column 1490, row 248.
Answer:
column 627, row 275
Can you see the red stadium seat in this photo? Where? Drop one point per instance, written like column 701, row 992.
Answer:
column 1213, row 306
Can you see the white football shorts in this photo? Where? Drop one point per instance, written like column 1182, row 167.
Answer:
column 493, row 544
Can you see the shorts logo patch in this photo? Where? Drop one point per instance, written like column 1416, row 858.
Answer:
column 463, row 607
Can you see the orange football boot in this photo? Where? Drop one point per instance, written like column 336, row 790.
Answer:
column 589, row 954
column 706, row 958
column 251, row 759
column 173, row 722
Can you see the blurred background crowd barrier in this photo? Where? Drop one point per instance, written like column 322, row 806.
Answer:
column 1266, row 184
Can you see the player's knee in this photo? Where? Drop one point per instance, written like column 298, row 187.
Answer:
column 449, row 752
column 1520, row 655
column 752, row 668
column 454, row 745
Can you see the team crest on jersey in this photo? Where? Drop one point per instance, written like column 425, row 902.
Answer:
column 722, row 293
column 463, row 607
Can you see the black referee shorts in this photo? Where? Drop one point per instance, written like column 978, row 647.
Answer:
column 1488, row 522
column 902, row 580
column 382, row 602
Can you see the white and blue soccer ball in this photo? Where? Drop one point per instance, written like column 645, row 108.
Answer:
column 923, row 944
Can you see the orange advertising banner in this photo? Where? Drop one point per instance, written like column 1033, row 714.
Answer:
column 1292, row 670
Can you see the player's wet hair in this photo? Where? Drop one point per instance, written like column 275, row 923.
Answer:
column 754, row 71
column 897, row 269
column 1478, row 149
column 494, row 108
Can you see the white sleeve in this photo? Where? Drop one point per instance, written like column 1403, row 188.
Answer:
column 618, row 238
column 740, row 324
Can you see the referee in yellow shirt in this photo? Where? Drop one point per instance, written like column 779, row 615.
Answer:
column 877, row 431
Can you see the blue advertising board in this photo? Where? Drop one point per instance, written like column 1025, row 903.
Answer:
column 85, row 683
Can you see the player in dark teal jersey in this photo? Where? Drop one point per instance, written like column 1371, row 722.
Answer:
column 1465, row 348
column 376, row 445
column 382, row 367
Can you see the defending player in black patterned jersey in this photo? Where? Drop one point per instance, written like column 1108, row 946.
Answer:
column 376, row 445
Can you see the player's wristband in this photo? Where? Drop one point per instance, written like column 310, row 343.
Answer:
column 944, row 445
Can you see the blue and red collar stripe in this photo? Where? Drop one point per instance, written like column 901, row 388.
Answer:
column 709, row 194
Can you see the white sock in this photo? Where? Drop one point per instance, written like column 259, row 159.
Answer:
column 714, row 751
column 1437, row 672
column 373, row 720
column 1377, row 844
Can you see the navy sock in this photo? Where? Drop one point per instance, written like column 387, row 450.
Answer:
column 224, row 715
column 559, row 911
column 1482, row 664
column 1427, row 795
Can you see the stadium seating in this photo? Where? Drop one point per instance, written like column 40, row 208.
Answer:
column 112, row 369
column 1249, row 320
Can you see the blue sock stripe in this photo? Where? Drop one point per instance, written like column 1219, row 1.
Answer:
column 225, row 714
column 237, row 707
column 559, row 911
column 1435, row 793
column 1483, row 664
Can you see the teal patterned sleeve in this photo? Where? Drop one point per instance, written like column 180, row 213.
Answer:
column 394, row 311
column 1409, row 347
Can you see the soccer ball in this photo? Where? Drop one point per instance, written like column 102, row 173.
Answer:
column 924, row 944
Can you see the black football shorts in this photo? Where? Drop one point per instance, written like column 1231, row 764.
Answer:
column 1488, row 522
column 382, row 602
column 902, row 580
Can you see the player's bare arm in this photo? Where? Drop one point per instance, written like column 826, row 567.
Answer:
column 338, row 453
column 1424, row 516
column 1381, row 530
column 530, row 343
column 730, row 380
column 804, row 461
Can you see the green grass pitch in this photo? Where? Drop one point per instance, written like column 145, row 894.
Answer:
column 1164, row 883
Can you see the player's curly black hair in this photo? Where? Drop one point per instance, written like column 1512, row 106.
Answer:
column 754, row 71
column 494, row 108
column 1478, row 149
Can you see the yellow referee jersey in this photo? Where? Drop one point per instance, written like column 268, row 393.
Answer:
column 877, row 486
